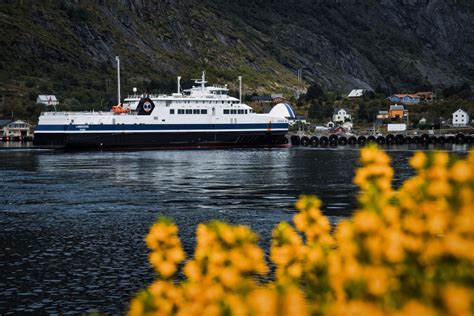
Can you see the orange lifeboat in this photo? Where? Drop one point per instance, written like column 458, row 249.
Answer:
column 118, row 109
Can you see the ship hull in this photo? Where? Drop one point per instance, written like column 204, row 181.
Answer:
column 91, row 141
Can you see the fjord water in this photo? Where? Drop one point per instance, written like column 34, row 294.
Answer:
column 72, row 223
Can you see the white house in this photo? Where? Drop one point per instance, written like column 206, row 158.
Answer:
column 330, row 124
column 341, row 116
column 48, row 100
column 356, row 93
column 460, row 118
column 17, row 128
column 347, row 126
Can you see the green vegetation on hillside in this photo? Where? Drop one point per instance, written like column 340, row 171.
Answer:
column 69, row 48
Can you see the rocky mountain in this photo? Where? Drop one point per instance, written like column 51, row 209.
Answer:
column 69, row 47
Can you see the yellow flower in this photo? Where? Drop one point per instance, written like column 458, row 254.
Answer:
column 418, row 161
column 263, row 301
column 377, row 280
column 371, row 154
column 295, row 270
column 414, row 308
column 461, row 172
column 439, row 188
column 357, row 308
column 229, row 277
column 366, row 222
column 293, row 302
column 419, row 236
column 136, row 307
column 166, row 268
column 458, row 300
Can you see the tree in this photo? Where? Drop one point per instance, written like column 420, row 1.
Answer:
column 314, row 92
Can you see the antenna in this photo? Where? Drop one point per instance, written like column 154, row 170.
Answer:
column 179, row 84
column 118, row 78
column 203, row 80
column 240, row 89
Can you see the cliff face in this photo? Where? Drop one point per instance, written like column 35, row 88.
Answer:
column 397, row 44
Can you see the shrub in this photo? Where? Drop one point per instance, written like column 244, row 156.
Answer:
column 404, row 252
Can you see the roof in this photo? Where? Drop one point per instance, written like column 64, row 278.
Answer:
column 4, row 122
column 383, row 112
column 46, row 98
column 397, row 107
column 338, row 109
column 356, row 93
column 425, row 93
column 459, row 110
column 405, row 95
column 261, row 98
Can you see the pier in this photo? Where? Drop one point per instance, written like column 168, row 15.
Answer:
column 389, row 139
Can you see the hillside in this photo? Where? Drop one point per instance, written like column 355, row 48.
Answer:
column 69, row 47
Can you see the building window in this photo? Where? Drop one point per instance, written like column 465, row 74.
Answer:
column 203, row 111
column 171, row 111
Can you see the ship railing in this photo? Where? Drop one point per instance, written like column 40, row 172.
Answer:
column 76, row 113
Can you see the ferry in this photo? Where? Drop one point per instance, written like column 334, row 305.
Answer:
column 200, row 117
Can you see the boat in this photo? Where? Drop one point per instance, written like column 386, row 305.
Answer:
column 200, row 117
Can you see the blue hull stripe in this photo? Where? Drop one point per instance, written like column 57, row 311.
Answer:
column 161, row 127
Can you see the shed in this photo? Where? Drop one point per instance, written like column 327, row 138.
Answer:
column 49, row 100
column 356, row 93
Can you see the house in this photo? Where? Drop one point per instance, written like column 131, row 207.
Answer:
column 426, row 96
column 341, row 115
column 422, row 121
column 339, row 130
column 356, row 93
column 3, row 124
column 278, row 98
column 261, row 99
column 397, row 111
column 460, row 118
column 48, row 100
column 405, row 98
column 382, row 115
column 330, row 124
column 347, row 126
column 9, row 128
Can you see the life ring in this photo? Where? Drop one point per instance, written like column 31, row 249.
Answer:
column 119, row 109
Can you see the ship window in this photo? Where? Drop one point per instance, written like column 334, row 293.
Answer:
column 180, row 111
column 241, row 111
column 233, row 111
column 226, row 111
column 245, row 111
column 155, row 117
column 195, row 111
column 189, row 111
column 203, row 111
column 171, row 111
